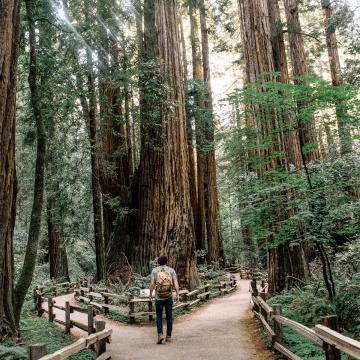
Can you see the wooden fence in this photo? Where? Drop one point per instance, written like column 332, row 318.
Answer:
column 96, row 341
column 87, row 295
column 188, row 298
column 326, row 335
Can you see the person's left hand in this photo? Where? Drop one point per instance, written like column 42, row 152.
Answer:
column 177, row 299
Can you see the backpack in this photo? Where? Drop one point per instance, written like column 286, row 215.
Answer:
column 164, row 283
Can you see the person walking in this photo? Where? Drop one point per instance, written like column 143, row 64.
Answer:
column 164, row 279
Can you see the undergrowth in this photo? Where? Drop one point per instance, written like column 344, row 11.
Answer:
column 35, row 330
column 307, row 305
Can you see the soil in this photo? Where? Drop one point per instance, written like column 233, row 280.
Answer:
column 223, row 328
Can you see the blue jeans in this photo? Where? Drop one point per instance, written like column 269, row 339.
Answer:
column 159, row 305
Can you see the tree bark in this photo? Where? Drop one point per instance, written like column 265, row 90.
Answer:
column 334, row 63
column 255, row 31
column 215, row 248
column 183, row 47
column 299, row 67
column 197, row 74
column 128, row 131
column 9, row 48
column 291, row 140
column 95, row 173
column 28, row 268
column 163, row 221
column 57, row 250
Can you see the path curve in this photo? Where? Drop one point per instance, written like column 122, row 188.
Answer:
column 223, row 328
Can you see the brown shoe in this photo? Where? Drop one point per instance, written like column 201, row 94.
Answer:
column 160, row 339
column 168, row 339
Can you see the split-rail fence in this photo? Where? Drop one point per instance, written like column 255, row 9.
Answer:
column 325, row 335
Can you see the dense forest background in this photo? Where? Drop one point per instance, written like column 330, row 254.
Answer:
column 213, row 131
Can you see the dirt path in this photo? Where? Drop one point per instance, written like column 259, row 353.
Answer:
column 224, row 328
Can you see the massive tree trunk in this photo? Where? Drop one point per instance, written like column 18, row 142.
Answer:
column 161, row 219
column 28, row 268
column 307, row 131
column 215, row 248
column 334, row 63
column 9, row 47
column 257, row 53
column 197, row 74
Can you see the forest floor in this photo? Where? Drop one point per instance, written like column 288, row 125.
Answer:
column 224, row 328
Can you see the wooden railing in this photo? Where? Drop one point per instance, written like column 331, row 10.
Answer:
column 188, row 299
column 96, row 341
column 87, row 295
column 325, row 336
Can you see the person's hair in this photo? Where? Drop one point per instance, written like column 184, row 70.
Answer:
column 162, row 259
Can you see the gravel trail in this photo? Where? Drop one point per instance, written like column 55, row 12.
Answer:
column 223, row 328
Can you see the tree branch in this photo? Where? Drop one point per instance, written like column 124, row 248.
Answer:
column 301, row 33
column 58, row 27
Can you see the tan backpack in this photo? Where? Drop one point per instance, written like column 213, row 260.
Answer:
column 164, row 283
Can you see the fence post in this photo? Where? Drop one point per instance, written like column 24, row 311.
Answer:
column 37, row 351
column 278, row 328
column 150, row 310
column 132, row 309
column 35, row 294
column 51, row 309
column 90, row 319
column 206, row 290
column 331, row 352
column 106, row 301
column 39, row 304
column 255, row 294
column 67, row 318
column 90, row 290
column 262, row 284
column 101, row 344
column 263, row 311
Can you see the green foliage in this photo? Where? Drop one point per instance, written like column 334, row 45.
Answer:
column 322, row 199
column 38, row 330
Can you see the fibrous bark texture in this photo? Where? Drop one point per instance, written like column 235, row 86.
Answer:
column 291, row 140
column 162, row 221
column 28, row 268
column 334, row 63
column 215, row 248
column 255, row 31
column 199, row 203
column 299, row 68
column 9, row 47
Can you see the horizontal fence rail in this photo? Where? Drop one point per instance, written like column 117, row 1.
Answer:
column 325, row 336
column 96, row 341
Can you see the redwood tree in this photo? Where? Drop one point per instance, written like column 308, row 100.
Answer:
column 30, row 258
column 334, row 64
column 160, row 218
column 9, row 47
column 215, row 249
column 307, row 133
column 283, row 260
